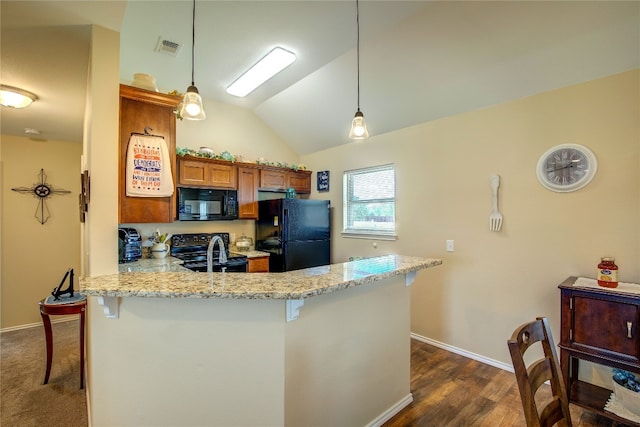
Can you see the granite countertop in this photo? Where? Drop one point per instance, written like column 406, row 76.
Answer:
column 153, row 265
column 250, row 253
column 168, row 279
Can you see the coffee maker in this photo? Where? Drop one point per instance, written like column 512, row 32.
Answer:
column 129, row 245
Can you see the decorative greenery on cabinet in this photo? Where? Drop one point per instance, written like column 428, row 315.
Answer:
column 225, row 155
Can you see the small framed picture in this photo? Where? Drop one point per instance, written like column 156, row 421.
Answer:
column 323, row 180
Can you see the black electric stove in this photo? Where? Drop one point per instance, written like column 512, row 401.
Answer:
column 192, row 250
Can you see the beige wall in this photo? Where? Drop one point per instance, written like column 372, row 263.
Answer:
column 35, row 256
column 236, row 130
column 100, row 155
column 496, row 280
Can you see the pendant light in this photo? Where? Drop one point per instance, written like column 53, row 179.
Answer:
column 358, row 125
column 192, row 108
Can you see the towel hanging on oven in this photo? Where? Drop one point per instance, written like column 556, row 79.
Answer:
column 148, row 172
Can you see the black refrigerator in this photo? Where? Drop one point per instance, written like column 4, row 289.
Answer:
column 295, row 232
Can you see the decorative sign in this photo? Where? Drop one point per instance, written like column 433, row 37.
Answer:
column 41, row 190
column 323, row 180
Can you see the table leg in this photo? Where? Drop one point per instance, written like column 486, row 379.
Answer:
column 82, row 320
column 49, row 338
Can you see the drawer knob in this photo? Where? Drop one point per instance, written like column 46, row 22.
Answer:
column 629, row 326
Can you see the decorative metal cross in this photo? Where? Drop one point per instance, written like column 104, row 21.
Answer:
column 41, row 190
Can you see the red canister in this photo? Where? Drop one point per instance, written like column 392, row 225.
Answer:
column 608, row 272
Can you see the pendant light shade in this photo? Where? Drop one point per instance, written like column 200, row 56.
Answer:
column 192, row 108
column 358, row 125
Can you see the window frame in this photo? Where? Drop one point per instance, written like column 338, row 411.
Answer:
column 347, row 229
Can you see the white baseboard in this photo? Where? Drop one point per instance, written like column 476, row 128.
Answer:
column 58, row 319
column 389, row 413
column 470, row 355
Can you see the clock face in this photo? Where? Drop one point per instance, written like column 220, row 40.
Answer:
column 566, row 167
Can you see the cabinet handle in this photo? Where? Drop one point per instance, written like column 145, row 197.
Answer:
column 629, row 325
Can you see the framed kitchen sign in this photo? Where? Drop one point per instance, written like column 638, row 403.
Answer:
column 323, row 180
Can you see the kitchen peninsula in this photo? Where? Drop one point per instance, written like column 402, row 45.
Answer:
column 326, row 345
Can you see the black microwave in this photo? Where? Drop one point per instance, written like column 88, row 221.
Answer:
column 206, row 204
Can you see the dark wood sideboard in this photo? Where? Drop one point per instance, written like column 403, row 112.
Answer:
column 600, row 326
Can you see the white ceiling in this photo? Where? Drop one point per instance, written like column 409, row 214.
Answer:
column 420, row 60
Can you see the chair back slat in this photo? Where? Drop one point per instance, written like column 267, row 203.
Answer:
column 553, row 410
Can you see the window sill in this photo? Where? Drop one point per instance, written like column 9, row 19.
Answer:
column 369, row 235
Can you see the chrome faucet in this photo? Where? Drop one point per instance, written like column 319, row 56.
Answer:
column 222, row 258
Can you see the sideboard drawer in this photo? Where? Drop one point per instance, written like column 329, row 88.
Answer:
column 606, row 326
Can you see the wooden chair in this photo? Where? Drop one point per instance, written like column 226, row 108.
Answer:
column 539, row 410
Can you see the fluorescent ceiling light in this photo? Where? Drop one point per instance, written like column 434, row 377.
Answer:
column 275, row 61
column 15, row 97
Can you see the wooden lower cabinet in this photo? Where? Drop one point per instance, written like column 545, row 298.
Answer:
column 599, row 326
column 248, row 180
column 258, row 265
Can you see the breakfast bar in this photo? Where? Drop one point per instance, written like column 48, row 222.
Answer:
column 326, row 345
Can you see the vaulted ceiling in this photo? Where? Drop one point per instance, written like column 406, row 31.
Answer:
column 420, row 60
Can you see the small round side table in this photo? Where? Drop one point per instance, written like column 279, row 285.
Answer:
column 46, row 310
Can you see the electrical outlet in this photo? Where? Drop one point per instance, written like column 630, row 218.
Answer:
column 449, row 245
column 232, row 237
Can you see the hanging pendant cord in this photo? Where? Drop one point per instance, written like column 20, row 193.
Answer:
column 358, row 48
column 193, row 41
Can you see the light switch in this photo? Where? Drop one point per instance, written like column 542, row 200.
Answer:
column 449, row 245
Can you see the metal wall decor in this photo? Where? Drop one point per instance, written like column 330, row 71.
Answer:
column 85, row 194
column 41, row 190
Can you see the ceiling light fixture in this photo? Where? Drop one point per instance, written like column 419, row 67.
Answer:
column 358, row 125
column 274, row 62
column 15, row 97
column 192, row 108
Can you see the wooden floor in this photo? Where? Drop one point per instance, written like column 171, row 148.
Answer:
column 452, row 390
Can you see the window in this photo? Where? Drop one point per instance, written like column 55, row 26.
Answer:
column 370, row 202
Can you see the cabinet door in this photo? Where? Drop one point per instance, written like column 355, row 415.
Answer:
column 258, row 265
column 139, row 110
column 222, row 176
column 201, row 173
column 248, row 193
column 300, row 181
column 192, row 173
column 606, row 327
column 273, row 180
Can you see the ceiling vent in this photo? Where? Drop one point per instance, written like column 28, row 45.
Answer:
column 168, row 47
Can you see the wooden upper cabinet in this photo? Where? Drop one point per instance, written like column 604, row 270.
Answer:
column 207, row 173
column 275, row 179
column 248, row 179
column 142, row 110
column 300, row 181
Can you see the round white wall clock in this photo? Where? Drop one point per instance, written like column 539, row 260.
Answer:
column 566, row 167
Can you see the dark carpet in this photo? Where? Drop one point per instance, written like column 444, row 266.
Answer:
column 24, row 400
